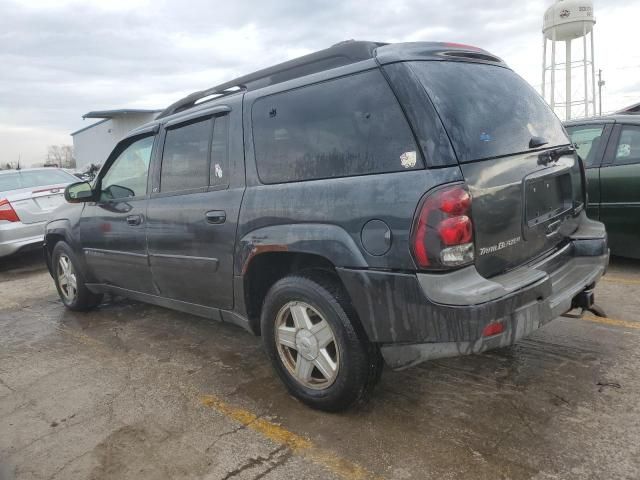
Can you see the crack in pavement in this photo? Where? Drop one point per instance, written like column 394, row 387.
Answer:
column 254, row 462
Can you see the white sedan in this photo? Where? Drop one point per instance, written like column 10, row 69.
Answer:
column 27, row 199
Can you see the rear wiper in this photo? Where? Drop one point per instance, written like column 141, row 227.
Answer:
column 554, row 154
column 536, row 142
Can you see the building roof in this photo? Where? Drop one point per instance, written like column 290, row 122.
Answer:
column 89, row 126
column 117, row 113
column 107, row 115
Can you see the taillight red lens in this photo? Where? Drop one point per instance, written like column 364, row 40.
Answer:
column 455, row 230
column 456, row 201
column 7, row 212
column 442, row 235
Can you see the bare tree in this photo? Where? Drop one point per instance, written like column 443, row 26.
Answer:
column 60, row 156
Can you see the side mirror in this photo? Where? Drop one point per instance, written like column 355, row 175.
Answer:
column 78, row 192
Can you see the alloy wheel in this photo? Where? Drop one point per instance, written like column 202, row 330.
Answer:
column 67, row 278
column 307, row 345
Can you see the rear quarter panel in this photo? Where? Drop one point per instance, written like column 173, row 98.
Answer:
column 348, row 203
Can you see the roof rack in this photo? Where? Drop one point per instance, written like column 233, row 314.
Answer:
column 340, row 54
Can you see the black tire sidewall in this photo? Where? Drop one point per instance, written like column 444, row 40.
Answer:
column 352, row 377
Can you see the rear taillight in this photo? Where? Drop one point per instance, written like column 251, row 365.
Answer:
column 442, row 235
column 7, row 212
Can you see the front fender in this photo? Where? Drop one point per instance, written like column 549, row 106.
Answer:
column 325, row 240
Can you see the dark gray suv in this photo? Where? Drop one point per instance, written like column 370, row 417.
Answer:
column 369, row 201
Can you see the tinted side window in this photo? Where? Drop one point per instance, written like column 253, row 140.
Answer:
column 185, row 159
column 348, row 126
column 127, row 175
column 587, row 138
column 219, row 175
column 628, row 150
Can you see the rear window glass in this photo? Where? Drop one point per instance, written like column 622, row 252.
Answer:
column 347, row 126
column 488, row 111
column 36, row 178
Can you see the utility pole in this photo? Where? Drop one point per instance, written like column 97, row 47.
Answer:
column 600, row 85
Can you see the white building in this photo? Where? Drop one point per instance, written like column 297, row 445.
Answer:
column 94, row 143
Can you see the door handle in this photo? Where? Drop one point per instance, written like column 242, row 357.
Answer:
column 134, row 220
column 216, row 217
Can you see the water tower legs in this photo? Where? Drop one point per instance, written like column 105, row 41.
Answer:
column 553, row 71
column 567, row 64
column 586, row 83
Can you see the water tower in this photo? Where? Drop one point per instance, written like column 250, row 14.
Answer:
column 565, row 21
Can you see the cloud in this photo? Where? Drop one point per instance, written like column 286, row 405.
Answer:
column 61, row 59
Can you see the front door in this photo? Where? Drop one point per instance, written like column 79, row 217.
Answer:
column 620, row 191
column 113, row 229
column 192, row 214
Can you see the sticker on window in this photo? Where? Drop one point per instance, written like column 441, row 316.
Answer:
column 624, row 150
column 408, row 159
column 218, row 170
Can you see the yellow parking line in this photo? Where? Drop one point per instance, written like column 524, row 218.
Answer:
column 339, row 466
column 611, row 321
column 621, row 280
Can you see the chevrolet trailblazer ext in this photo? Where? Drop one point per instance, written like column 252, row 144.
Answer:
column 369, row 201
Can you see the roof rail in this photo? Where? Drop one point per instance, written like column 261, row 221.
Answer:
column 343, row 53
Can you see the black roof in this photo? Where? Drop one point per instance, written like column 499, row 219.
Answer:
column 340, row 54
column 614, row 118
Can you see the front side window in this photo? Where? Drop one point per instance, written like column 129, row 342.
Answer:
column 127, row 175
column 587, row 139
column 348, row 126
column 628, row 149
column 185, row 159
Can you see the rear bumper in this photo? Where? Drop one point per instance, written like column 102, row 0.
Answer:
column 17, row 236
column 421, row 317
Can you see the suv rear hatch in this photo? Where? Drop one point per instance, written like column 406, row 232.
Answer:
column 524, row 178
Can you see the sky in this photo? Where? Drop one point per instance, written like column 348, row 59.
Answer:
column 61, row 59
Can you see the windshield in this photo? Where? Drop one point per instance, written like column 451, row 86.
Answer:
column 487, row 110
column 33, row 178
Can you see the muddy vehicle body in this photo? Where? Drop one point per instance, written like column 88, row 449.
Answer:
column 370, row 201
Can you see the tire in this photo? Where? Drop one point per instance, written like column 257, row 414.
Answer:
column 358, row 363
column 83, row 299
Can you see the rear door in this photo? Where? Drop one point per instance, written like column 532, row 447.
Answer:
column 526, row 198
column 620, row 191
column 112, row 229
column 193, row 210
column 591, row 141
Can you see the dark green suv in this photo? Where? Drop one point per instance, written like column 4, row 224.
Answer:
column 610, row 148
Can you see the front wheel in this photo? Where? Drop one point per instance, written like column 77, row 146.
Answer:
column 308, row 330
column 70, row 281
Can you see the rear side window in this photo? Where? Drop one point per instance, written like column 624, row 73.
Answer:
column 628, row 150
column 348, row 126
column 587, row 139
column 185, row 159
column 488, row 111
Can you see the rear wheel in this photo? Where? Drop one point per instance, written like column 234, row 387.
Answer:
column 309, row 332
column 70, row 281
